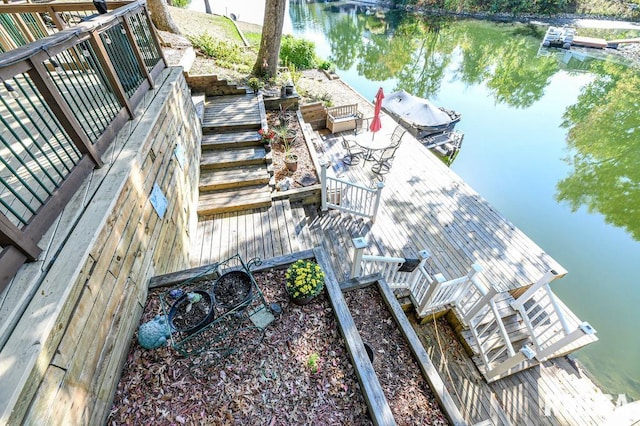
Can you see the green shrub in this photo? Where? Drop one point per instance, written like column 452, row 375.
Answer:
column 298, row 52
column 181, row 3
column 227, row 54
column 327, row 66
column 255, row 84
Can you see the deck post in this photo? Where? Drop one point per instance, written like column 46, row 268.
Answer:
column 431, row 291
column 323, row 184
column 376, row 205
column 359, row 244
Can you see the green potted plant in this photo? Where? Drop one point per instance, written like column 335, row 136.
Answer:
column 255, row 84
column 304, row 280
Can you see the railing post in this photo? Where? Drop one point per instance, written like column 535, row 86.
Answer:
column 60, row 108
column 359, row 244
column 380, row 185
column 431, row 291
column 556, row 308
column 424, row 255
column 136, row 49
column 110, row 72
column 323, row 184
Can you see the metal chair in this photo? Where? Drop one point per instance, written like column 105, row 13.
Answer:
column 354, row 152
column 362, row 125
column 383, row 160
column 397, row 135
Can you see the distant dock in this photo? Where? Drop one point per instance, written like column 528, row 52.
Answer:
column 565, row 37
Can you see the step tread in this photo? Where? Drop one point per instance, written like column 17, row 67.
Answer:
column 227, row 156
column 233, row 177
column 244, row 137
column 234, row 199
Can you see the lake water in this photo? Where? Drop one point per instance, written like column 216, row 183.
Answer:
column 552, row 140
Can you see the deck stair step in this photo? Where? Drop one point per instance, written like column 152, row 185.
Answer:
column 242, row 138
column 234, row 199
column 233, row 177
column 231, row 113
column 224, row 158
column 516, row 330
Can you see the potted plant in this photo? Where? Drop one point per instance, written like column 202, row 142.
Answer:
column 304, row 280
column 255, row 84
column 267, row 137
column 233, row 290
column 287, row 137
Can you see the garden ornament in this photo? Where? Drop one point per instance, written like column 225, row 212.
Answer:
column 153, row 334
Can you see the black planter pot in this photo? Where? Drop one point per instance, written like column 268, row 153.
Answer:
column 178, row 312
column 233, row 290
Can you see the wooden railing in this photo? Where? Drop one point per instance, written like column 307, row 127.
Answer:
column 63, row 99
column 349, row 197
column 24, row 23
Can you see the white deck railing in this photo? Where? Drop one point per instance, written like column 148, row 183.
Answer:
column 349, row 197
column 549, row 328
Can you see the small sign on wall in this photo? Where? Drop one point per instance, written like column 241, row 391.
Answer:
column 158, row 200
column 179, row 153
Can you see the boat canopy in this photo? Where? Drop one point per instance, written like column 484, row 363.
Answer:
column 417, row 111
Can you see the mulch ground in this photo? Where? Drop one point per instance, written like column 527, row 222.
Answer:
column 410, row 399
column 300, row 374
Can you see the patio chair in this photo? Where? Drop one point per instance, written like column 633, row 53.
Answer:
column 362, row 125
column 383, row 160
column 354, row 152
column 397, row 135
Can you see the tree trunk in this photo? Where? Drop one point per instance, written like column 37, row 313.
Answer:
column 269, row 53
column 160, row 16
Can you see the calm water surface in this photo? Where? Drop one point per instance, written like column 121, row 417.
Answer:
column 552, row 141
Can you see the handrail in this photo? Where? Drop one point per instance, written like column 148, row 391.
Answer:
column 63, row 99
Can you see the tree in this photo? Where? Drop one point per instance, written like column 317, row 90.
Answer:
column 267, row 61
column 160, row 16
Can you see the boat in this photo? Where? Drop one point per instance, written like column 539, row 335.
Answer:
column 420, row 116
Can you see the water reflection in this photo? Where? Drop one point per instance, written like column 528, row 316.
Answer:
column 604, row 137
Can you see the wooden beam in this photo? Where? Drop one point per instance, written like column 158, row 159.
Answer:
column 10, row 235
column 110, row 72
column 11, row 260
column 279, row 262
column 379, row 409
column 429, row 372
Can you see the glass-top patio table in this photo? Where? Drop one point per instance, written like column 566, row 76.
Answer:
column 369, row 142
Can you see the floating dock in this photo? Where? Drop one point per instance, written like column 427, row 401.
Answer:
column 565, row 37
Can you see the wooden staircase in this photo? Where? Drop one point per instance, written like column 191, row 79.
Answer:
column 235, row 169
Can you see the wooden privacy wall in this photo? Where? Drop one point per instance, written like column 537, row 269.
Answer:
column 64, row 358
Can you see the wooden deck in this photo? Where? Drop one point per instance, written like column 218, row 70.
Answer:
column 424, row 206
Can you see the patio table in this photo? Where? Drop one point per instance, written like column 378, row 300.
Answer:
column 369, row 143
